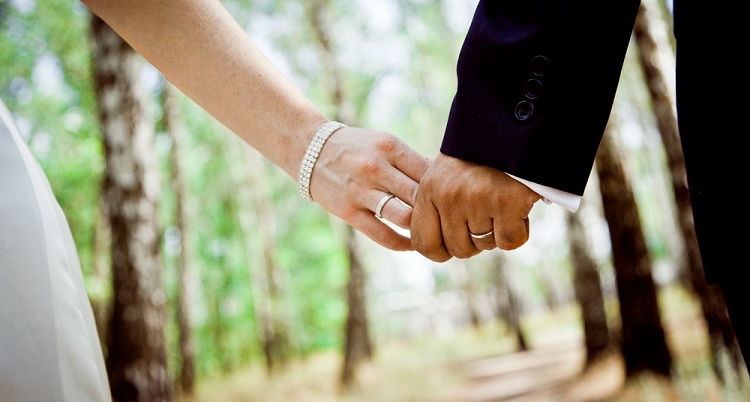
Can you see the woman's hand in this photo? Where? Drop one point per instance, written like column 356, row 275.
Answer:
column 356, row 169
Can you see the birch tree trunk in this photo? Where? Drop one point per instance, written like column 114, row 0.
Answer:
column 175, row 128
column 136, row 348
column 656, row 57
column 644, row 347
column 102, row 304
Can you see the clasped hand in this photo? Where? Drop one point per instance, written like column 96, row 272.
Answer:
column 443, row 202
column 463, row 208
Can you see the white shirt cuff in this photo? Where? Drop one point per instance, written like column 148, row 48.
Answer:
column 550, row 195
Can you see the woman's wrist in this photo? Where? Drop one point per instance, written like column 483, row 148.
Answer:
column 312, row 153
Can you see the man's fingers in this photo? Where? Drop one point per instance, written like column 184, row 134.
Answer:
column 483, row 239
column 456, row 234
column 511, row 235
column 426, row 233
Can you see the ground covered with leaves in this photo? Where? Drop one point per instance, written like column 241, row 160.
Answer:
column 483, row 365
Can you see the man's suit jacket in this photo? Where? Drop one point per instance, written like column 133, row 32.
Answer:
column 536, row 82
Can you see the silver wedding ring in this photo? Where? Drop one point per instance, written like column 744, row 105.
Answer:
column 381, row 204
column 481, row 236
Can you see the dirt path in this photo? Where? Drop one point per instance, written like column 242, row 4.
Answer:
column 537, row 375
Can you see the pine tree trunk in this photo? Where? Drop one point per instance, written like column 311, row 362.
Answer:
column 657, row 61
column 136, row 347
column 461, row 277
column 554, row 292
column 259, row 228
column 470, row 288
column 507, row 303
column 260, row 281
column 216, row 329
column 644, row 346
column 588, row 290
column 175, row 127
column 358, row 345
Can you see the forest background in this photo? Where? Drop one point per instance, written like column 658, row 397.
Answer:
column 265, row 296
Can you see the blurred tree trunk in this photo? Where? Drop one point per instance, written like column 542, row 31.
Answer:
column 247, row 217
column 259, row 227
column 175, row 128
column 588, row 290
column 656, row 57
column 472, row 296
column 553, row 290
column 317, row 11
column 101, row 302
column 216, row 326
column 358, row 345
column 644, row 346
column 507, row 303
column 136, row 359
column 461, row 275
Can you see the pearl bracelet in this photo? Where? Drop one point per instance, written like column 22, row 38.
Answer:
column 311, row 156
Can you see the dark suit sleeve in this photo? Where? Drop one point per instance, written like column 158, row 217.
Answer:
column 536, row 82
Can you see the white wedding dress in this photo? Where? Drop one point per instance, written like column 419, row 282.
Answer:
column 49, row 347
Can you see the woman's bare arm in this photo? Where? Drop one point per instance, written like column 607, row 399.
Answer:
column 199, row 47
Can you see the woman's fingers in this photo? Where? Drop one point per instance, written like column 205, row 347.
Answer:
column 379, row 232
column 397, row 179
column 410, row 163
column 393, row 209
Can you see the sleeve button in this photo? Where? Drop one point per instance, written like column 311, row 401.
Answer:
column 532, row 89
column 524, row 110
column 539, row 65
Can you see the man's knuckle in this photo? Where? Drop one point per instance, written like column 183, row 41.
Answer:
column 457, row 250
column 510, row 240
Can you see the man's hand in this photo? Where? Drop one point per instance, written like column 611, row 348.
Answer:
column 456, row 198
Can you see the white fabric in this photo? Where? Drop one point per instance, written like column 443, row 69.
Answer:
column 49, row 347
column 550, row 195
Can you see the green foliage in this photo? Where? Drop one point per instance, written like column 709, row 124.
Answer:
column 316, row 260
